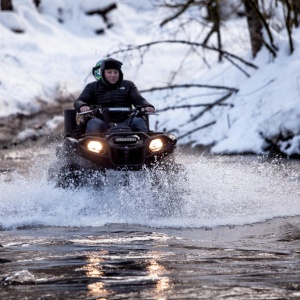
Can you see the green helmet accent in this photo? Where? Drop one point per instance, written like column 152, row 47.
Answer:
column 97, row 70
column 106, row 63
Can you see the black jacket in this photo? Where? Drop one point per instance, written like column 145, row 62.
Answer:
column 124, row 94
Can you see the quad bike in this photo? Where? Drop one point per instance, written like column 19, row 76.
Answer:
column 82, row 156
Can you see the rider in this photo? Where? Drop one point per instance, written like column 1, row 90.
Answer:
column 110, row 90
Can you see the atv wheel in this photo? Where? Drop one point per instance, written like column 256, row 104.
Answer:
column 70, row 176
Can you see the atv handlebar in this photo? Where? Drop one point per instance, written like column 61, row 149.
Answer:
column 102, row 110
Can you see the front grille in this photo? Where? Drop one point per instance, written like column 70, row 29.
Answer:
column 121, row 140
column 126, row 157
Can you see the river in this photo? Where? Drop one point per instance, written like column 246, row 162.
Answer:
column 234, row 235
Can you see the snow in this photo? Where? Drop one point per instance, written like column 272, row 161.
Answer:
column 48, row 53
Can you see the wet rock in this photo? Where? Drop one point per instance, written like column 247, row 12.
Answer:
column 20, row 277
column 3, row 261
column 290, row 232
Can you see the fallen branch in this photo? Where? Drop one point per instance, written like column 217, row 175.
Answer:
column 196, row 129
column 209, row 107
column 237, row 66
column 176, row 86
column 191, row 106
column 217, row 102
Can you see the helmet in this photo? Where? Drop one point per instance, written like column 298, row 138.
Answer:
column 97, row 70
column 105, row 63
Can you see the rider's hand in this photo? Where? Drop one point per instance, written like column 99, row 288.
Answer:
column 150, row 109
column 84, row 108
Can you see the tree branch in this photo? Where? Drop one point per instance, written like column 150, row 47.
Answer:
column 191, row 106
column 176, row 86
column 148, row 45
column 196, row 129
column 103, row 12
column 217, row 102
column 237, row 66
column 183, row 8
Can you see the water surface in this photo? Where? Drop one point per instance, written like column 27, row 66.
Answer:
column 233, row 235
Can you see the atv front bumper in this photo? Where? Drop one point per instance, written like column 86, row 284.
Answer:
column 120, row 151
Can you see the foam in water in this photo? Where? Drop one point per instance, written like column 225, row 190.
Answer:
column 213, row 192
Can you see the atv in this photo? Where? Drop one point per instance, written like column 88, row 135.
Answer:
column 82, row 156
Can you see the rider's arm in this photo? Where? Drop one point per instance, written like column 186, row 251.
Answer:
column 138, row 99
column 85, row 99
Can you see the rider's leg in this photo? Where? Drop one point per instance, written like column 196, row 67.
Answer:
column 139, row 124
column 96, row 126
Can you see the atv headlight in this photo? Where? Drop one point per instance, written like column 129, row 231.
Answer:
column 94, row 146
column 156, row 145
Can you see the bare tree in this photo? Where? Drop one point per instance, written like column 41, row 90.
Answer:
column 180, row 9
column 256, row 22
column 254, row 26
column 292, row 8
column 213, row 15
column 289, row 23
column 37, row 2
column 291, row 15
column 226, row 91
column 6, row 5
column 295, row 4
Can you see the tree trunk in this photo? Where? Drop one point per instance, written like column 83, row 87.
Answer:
column 254, row 25
column 6, row 5
column 37, row 2
column 296, row 8
column 213, row 15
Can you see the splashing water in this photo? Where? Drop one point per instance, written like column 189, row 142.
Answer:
column 212, row 192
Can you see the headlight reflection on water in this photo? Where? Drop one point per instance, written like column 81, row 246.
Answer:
column 153, row 272
column 94, row 269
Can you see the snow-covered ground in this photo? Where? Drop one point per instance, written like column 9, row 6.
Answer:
column 53, row 56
